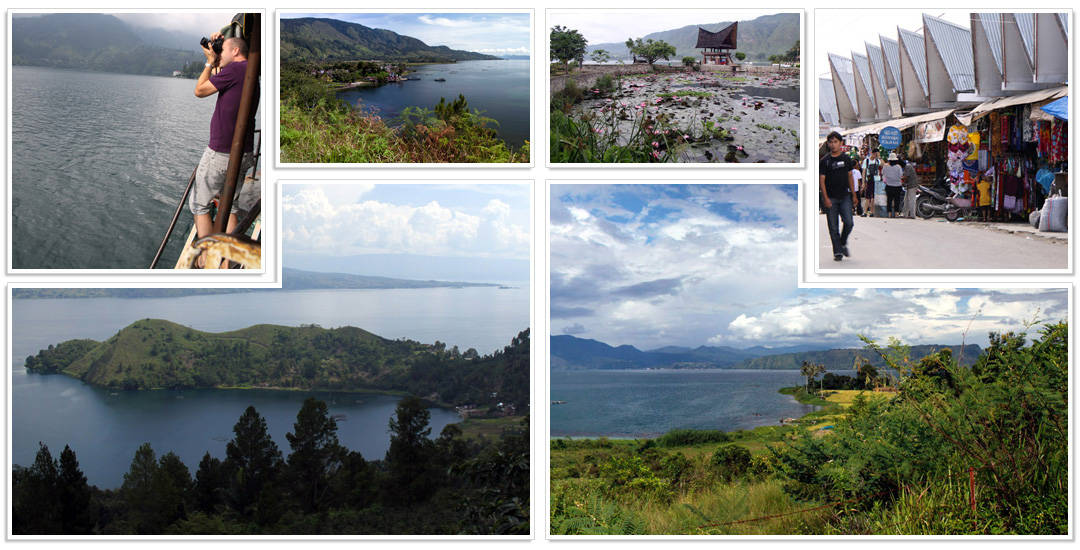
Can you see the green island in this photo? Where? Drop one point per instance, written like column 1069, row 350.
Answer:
column 156, row 354
column 939, row 449
column 472, row 478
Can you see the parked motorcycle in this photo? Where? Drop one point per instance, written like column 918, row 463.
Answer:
column 939, row 199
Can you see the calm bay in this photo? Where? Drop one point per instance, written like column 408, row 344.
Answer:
column 649, row 403
column 105, row 427
column 498, row 88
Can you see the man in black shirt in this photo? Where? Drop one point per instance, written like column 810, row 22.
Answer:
column 838, row 189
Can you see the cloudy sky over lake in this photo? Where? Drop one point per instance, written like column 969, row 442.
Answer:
column 692, row 265
column 490, row 33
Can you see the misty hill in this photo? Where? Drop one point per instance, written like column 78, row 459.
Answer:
column 757, row 38
column 322, row 39
column 154, row 354
column 571, row 353
column 93, row 42
column 292, row 279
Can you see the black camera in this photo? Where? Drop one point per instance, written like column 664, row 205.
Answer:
column 215, row 44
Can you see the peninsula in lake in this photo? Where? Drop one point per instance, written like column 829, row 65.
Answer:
column 405, row 87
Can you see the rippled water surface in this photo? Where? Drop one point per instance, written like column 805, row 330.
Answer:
column 99, row 162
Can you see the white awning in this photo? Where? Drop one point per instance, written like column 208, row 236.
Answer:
column 984, row 109
column 898, row 123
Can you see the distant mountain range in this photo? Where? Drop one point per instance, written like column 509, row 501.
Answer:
column 292, row 279
column 94, row 42
column 415, row 266
column 323, row 39
column 757, row 38
column 572, row 353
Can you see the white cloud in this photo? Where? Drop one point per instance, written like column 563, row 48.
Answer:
column 915, row 316
column 445, row 22
column 655, row 276
column 523, row 50
column 315, row 223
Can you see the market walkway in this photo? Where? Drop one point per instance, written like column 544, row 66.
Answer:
column 883, row 243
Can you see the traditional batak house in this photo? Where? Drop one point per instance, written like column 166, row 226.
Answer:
column 716, row 47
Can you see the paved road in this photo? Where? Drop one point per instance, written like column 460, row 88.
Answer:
column 897, row 243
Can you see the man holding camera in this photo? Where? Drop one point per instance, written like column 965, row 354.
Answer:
column 223, row 74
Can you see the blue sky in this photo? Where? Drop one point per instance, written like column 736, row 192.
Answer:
column 489, row 220
column 690, row 265
column 490, row 33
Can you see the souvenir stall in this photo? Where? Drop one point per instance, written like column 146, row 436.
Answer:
column 1020, row 149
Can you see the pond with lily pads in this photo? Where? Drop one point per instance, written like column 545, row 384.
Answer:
column 698, row 117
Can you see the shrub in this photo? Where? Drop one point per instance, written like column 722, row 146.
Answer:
column 685, row 438
column 730, row 461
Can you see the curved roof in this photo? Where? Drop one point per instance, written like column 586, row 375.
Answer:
column 723, row 38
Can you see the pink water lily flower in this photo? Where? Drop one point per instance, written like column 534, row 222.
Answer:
column 655, row 144
column 685, row 136
column 655, row 155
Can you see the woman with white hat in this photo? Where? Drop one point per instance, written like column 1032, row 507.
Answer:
column 893, row 185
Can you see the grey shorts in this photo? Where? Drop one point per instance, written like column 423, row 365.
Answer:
column 210, row 180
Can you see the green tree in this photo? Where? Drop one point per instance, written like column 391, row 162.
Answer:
column 252, row 463
column 145, row 511
column 600, row 56
column 808, row 371
column 74, row 494
column 688, row 62
column 209, row 482
column 651, row 50
column 35, row 506
column 567, row 45
column 408, row 457
column 173, row 487
column 316, row 454
column 740, row 56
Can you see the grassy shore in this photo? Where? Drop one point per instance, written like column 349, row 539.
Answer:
column 956, row 450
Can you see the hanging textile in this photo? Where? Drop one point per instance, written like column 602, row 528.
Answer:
column 1059, row 150
column 1029, row 128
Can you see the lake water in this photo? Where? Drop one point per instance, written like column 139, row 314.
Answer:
column 499, row 89
column 99, row 162
column 649, row 403
column 104, row 428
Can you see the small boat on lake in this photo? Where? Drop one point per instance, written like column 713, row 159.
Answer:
column 440, row 79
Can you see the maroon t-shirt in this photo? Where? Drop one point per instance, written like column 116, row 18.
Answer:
column 230, row 83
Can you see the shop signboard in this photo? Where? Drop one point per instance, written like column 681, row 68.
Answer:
column 889, row 138
column 929, row 132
